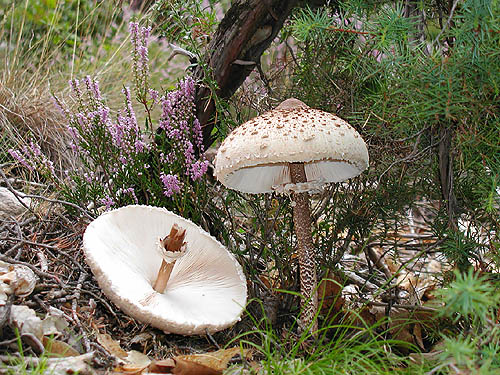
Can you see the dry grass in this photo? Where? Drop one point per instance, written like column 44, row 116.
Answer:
column 32, row 71
column 33, row 116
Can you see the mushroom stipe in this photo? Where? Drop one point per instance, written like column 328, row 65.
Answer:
column 302, row 226
column 173, row 242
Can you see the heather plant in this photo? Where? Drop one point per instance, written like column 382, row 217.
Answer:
column 471, row 303
column 123, row 162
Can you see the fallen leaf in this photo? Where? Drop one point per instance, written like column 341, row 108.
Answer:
column 54, row 323
column 25, row 320
column 135, row 362
column 330, row 295
column 112, row 346
column 217, row 360
column 56, row 348
column 55, row 366
column 141, row 338
column 417, row 333
column 180, row 366
column 70, row 365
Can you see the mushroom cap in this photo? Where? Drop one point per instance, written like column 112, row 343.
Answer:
column 254, row 158
column 207, row 287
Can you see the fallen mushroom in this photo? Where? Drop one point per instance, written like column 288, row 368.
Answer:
column 15, row 279
column 293, row 149
column 206, row 287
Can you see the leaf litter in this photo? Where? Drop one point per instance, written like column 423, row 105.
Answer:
column 66, row 312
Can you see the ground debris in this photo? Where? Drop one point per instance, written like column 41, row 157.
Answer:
column 81, row 364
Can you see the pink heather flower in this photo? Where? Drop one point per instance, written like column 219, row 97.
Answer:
column 128, row 102
column 131, row 191
column 188, row 153
column 198, row 134
column 35, row 149
column 143, row 52
column 75, row 86
column 171, row 184
column 74, row 133
column 117, row 132
column 108, row 202
column 154, row 95
column 134, row 31
column 93, row 87
column 198, row 169
column 146, row 32
column 139, row 146
column 104, row 114
column 20, row 158
column 87, row 177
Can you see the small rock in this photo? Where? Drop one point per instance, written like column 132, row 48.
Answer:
column 10, row 205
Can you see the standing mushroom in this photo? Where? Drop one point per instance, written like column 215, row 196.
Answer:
column 203, row 288
column 293, row 149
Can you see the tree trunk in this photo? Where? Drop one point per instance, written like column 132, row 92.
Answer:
column 446, row 175
column 245, row 32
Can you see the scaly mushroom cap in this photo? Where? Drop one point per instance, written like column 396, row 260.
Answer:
column 254, row 157
column 207, row 287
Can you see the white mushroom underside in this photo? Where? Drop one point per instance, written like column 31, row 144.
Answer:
column 263, row 145
column 206, row 290
column 271, row 177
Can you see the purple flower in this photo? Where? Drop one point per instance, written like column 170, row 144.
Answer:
column 134, row 31
column 171, row 184
column 131, row 191
column 198, row 169
column 198, row 134
column 20, row 158
column 155, row 95
column 188, row 153
column 108, row 202
column 35, row 149
column 74, row 133
column 104, row 114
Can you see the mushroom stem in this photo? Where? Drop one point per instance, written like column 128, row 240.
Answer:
column 302, row 227
column 173, row 242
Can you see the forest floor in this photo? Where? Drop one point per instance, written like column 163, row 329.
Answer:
column 66, row 322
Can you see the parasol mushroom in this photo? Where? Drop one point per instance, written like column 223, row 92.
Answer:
column 293, row 149
column 205, row 288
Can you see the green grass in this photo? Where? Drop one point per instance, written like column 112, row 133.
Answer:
column 343, row 348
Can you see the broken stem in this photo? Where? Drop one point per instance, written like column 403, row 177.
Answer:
column 302, row 227
column 173, row 242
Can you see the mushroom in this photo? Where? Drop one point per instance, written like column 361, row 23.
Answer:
column 293, row 149
column 205, row 289
column 15, row 279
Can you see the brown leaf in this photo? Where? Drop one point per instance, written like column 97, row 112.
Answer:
column 417, row 333
column 135, row 363
column 112, row 346
column 56, row 348
column 181, row 367
column 217, row 360
column 330, row 295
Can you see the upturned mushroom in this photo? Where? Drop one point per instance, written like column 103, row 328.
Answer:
column 293, row 149
column 186, row 283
